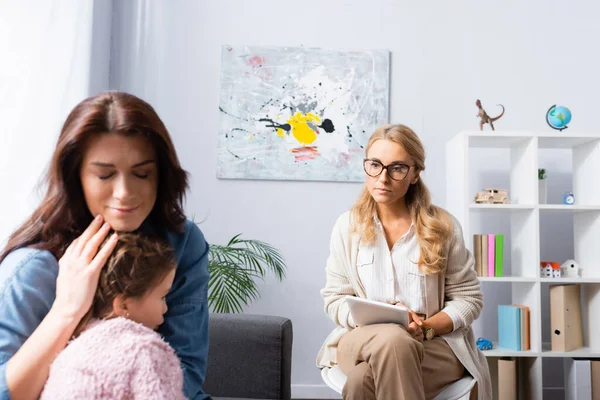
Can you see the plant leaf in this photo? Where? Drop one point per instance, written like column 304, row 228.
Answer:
column 234, row 269
column 229, row 287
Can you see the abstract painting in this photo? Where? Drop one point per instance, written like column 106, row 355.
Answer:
column 294, row 113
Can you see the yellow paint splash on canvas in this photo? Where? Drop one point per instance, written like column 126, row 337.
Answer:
column 300, row 128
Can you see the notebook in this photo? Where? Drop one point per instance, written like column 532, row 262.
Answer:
column 369, row 312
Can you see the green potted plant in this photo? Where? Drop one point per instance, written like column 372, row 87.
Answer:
column 234, row 269
column 542, row 187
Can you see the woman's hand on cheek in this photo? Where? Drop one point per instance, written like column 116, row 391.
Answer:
column 79, row 269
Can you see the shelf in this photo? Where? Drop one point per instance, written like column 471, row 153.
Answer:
column 497, row 139
column 559, row 281
column 532, row 231
column 546, row 140
column 502, row 207
column 501, row 352
column 526, row 279
column 562, row 141
column 519, row 279
column 542, row 207
column 583, row 352
column 564, row 207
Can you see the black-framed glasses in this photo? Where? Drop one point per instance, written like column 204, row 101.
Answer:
column 396, row 171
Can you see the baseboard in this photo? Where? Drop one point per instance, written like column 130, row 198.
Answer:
column 325, row 392
column 314, row 392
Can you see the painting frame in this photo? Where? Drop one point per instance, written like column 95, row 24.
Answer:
column 296, row 113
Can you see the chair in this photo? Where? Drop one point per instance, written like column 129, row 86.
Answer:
column 459, row 390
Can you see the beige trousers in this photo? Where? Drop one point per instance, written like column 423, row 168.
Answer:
column 384, row 362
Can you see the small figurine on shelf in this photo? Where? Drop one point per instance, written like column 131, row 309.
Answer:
column 550, row 269
column 558, row 117
column 484, row 344
column 492, row 196
column 571, row 269
column 568, row 198
column 484, row 118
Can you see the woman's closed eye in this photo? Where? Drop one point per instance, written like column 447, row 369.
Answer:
column 105, row 177
column 141, row 175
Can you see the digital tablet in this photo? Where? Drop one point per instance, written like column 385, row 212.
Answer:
column 368, row 312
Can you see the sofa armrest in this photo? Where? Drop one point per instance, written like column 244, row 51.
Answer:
column 250, row 356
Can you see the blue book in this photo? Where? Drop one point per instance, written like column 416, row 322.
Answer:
column 509, row 327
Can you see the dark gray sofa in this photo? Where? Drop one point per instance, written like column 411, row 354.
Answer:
column 249, row 357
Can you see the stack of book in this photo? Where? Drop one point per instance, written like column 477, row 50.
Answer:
column 489, row 254
column 513, row 327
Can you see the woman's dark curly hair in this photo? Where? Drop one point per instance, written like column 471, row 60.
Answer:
column 136, row 265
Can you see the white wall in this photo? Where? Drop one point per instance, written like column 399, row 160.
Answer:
column 525, row 55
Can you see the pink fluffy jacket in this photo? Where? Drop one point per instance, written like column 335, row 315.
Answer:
column 115, row 359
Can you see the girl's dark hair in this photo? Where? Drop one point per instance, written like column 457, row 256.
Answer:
column 63, row 213
column 137, row 264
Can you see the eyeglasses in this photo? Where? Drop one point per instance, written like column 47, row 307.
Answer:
column 396, row 171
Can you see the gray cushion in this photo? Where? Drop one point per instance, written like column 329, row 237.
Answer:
column 250, row 357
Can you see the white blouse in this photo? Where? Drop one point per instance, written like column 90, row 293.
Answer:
column 392, row 276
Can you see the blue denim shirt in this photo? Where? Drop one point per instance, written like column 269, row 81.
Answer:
column 28, row 286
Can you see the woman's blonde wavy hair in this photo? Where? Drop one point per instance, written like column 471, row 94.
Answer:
column 433, row 224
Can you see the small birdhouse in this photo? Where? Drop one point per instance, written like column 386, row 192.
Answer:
column 571, row 269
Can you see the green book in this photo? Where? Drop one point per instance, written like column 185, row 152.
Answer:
column 499, row 256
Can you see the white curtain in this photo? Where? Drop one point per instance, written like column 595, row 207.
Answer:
column 45, row 69
column 140, row 38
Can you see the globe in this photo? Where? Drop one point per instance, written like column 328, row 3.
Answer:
column 558, row 117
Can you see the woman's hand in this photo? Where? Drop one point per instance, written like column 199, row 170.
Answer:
column 415, row 323
column 79, row 269
column 415, row 331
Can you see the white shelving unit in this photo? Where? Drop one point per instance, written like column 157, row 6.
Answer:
column 516, row 155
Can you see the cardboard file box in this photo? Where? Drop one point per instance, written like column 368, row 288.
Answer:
column 507, row 379
column 578, row 379
column 565, row 317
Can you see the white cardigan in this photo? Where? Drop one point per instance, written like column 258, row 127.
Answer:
column 457, row 290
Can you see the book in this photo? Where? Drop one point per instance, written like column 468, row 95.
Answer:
column 484, row 257
column 509, row 327
column 507, row 378
column 499, row 256
column 524, row 315
column 491, row 254
column 477, row 254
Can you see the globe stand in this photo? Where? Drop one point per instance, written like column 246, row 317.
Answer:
column 563, row 124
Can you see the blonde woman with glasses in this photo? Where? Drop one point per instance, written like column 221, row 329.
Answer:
column 395, row 247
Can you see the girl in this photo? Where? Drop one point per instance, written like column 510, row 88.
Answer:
column 396, row 247
column 118, row 355
column 114, row 166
